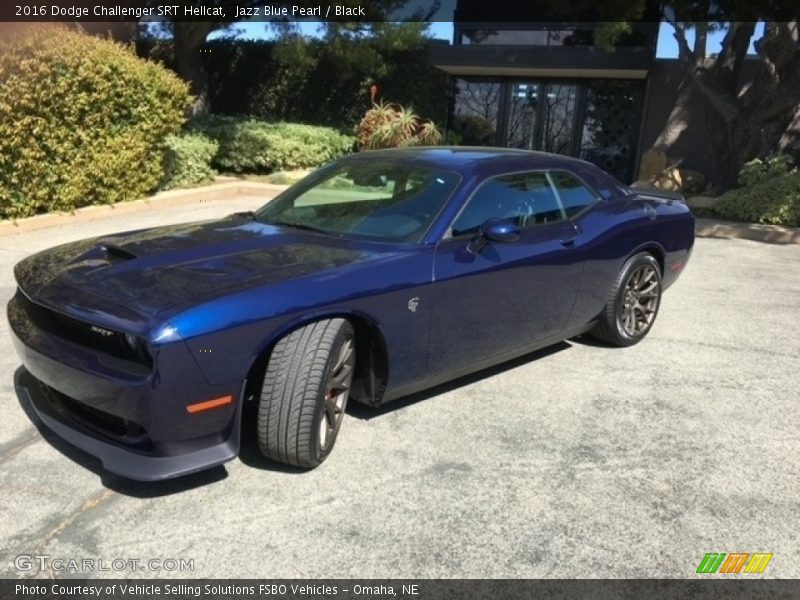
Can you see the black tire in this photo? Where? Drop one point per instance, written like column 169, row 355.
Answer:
column 616, row 325
column 304, row 384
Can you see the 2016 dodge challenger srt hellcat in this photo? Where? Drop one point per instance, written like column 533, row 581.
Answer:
column 376, row 276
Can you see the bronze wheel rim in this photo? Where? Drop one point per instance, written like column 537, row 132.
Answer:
column 337, row 390
column 640, row 300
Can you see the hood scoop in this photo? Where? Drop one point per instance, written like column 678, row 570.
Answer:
column 116, row 253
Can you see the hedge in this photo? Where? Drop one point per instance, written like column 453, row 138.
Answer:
column 773, row 201
column 758, row 170
column 250, row 145
column 188, row 160
column 82, row 120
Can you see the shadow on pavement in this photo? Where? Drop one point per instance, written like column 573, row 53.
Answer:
column 252, row 457
column 587, row 340
column 360, row 411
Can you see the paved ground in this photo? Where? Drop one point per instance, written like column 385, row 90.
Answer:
column 581, row 461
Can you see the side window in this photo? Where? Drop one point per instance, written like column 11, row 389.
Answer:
column 574, row 195
column 527, row 199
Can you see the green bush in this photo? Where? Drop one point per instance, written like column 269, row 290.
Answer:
column 82, row 120
column 758, row 170
column 774, row 201
column 473, row 130
column 250, row 145
column 188, row 160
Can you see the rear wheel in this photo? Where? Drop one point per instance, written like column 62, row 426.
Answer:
column 306, row 387
column 633, row 302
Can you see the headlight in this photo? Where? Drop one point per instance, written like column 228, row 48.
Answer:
column 136, row 348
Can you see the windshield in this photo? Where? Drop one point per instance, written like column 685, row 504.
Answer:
column 377, row 199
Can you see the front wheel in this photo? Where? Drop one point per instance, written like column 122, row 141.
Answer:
column 633, row 302
column 306, row 387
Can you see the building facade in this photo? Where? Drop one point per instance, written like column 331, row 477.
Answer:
column 548, row 85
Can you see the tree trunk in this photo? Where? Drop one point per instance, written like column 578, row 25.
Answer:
column 742, row 124
column 678, row 119
column 189, row 39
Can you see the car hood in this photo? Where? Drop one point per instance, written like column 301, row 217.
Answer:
column 151, row 270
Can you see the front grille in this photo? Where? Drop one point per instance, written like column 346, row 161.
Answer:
column 107, row 425
column 84, row 334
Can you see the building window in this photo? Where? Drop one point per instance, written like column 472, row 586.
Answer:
column 521, row 131
column 559, row 118
column 564, row 35
column 475, row 112
column 595, row 119
column 504, row 37
column 542, row 116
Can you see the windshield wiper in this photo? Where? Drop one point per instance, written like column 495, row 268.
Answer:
column 302, row 226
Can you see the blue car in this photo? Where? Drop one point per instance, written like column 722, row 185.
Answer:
column 376, row 276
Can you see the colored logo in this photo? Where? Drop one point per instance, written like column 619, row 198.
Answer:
column 735, row 562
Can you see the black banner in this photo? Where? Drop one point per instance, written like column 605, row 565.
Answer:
column 462, row 11
column 224, row 11
column 400, row 589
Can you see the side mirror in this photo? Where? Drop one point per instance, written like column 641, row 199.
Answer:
column 495, row 230
column 500, row 230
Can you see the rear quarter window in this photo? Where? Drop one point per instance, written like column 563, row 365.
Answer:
column 574, row 194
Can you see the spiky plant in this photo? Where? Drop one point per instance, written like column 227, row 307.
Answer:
column 388, row 125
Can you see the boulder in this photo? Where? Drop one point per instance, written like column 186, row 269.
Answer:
column 653, row 164
column 669, row 179
column 705, row 202
column 693, row 181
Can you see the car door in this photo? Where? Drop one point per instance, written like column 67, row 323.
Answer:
column 506, row 295
column 610, row 227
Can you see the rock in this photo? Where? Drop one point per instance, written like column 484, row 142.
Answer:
column 705, row 202
column 642, row 185
column 656, row 171
column 693, row 181
column 670, row 180
column 653, row 164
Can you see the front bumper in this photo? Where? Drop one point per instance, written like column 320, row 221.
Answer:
column 122, row 461
column 134, row 419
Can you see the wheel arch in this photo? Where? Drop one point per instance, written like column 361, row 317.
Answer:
column 653, row 248
column 372, row 357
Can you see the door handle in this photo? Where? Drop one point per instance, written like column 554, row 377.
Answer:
column 568, row 242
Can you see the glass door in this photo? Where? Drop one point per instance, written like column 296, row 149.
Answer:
column 558, row 123
column 522, row 127
column 541, row 116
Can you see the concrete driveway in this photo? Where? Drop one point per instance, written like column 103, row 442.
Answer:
column 579, row 461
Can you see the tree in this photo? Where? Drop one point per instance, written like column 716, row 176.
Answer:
column 189, row 36
column 745, row 122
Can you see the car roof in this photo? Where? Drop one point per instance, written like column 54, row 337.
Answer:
column 484, row 161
